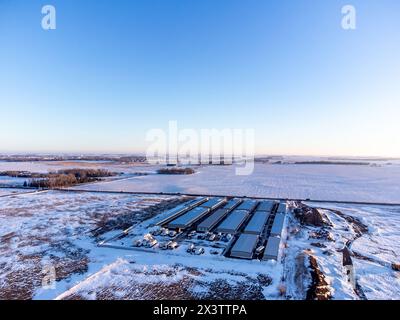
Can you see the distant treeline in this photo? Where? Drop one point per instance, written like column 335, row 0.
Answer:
column 334, row 162
column 22, row 174
column 35, row 158
column 69, row 177
column 176, row 171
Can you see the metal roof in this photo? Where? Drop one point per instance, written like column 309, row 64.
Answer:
column 189, row 217
column 248, row 205
column 257, row 222
column 282, row 207
column 212, row 220
column 180, row 210
column 277, row 225
column 244, row 246
column 213, row 203
column 266, row 206
column 231, row 204
column 233, row 222
column 272, row 248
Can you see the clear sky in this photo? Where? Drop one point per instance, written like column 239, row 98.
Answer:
column 114, row 69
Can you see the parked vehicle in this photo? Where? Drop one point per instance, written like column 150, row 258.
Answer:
column 164, row 232
column 259, row 250
column 173, row 245
column 151, row 243
column 137, row 243
column 191, row 248
column 156, row 232
column 214, row 252
column 164, row 245
column 212, row 237
column 172, row 234
column 148, row 237
column 199, row 251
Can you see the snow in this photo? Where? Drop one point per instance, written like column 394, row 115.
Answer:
column 316, row 182
column 381, row 245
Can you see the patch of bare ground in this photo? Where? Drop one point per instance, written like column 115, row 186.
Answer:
column 319, row 288
column 20, row 283
column 302, row 276
column 176, row 283
column 310, row 216
column 108, row 222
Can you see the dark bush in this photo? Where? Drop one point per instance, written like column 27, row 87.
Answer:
column 176, row 171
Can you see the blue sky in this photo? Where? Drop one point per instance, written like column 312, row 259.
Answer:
column 114, row 69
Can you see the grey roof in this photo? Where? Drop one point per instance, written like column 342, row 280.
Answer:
column 244, row 246
column 248, row 205
column 180, row 210
column 257, row 222
column 277, row 225
column 272, row 248
column 282, row 207
column 213, row 203
column 189, row 217
column 231, row 204
column 212, row 220
column 233, row 222
column 266, row 206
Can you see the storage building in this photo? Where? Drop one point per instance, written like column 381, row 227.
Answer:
column 248, row 205
column 257, row 223
column 282, row 207
column 232, row 204
column 213, row 203
column 180, row 210
column 210, row 222
column 266, row 206
column 277, row 225
column 244, row 246
column 187, row 219
column 233, row 222
column 272, row 249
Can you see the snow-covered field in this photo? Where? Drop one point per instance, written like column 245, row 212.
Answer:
column 54, row 229
column 316, row 182
column 377, row 250
column 377, row 183
column 60, row 230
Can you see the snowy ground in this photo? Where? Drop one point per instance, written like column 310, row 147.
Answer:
column 376, row 250
column 316, row 182
column 56, row 229
column 369, row 183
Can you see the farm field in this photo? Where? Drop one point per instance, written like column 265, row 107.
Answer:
column 62, row 230
column 316, row 182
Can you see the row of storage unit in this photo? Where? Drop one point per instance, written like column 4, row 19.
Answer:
column 257, row 223
column 209, row 223
column 248, row 205
column 246, row 243
column 244, row 246
column 233, row 222
column 187, row 219
column 266, row 206
column 178, row 211
column 277, row 225
column 271, row 251
column 192, row 216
